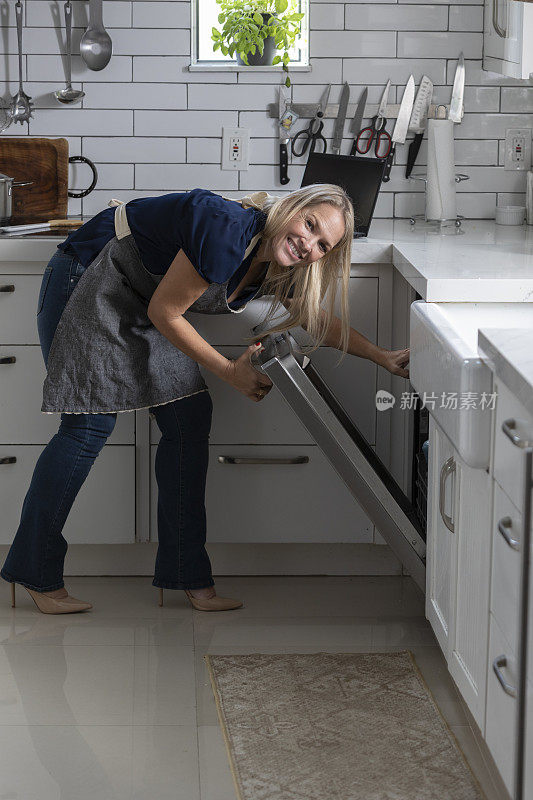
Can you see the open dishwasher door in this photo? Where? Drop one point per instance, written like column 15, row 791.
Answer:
column 364, row 474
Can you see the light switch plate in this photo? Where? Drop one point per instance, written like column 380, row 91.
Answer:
column 235, row 148
column 518, row 149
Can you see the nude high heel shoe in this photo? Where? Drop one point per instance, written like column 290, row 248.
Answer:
column 215, row 603
column 52, row 605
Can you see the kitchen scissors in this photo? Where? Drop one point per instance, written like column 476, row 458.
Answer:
column 313, row 132
column 376, row 132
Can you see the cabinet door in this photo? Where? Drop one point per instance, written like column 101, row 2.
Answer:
column 104, row 509
column 442, row 504
column 471, row 564
column 504, row 16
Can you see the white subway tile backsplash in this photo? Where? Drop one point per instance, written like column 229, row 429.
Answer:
column 384, row 17
column 439, row 45
column 183, row 123
column 346, row 43
column 176, row 177
column 220, row 97
column 80, row 122
column 161, row 15
column 378, row 70
column 136, row 95
column 135, row 149
column 327, row 16
column 151, row 125
column 466, row 18
column 51, row 68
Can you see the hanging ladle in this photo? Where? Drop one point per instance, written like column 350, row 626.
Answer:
column 21, row 105
column 68, row 94
column 96, row 46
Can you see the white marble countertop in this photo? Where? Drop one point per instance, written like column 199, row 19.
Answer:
column 488, row 263
column 509, row 354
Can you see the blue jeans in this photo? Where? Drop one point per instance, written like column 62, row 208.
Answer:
column 37, row 554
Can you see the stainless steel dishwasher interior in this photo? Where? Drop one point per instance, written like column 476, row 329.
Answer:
column 364, row 474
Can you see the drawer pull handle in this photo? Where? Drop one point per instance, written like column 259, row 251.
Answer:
column 7, row 360
column 509, row 427
column 497, row 665
column 9, row 287
column 254, row 460
column 504, row 525
column 447, row 468
column 8, row 460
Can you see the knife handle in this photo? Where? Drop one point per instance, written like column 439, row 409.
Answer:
column 388, row 165
column 283, row 163
column 414, row 147
column 353, row 151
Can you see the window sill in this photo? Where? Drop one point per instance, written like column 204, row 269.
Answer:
column 222, row 67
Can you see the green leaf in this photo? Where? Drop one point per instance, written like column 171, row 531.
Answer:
column 224, row 49
column 258, row 18
column 276, row 60
column 232, row 49
column 215, row 34
column 287, row 82
column 221, row 18
column 252, row 49
column 286, row 58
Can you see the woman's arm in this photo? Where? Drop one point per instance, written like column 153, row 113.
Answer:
column 176, row 292
column 394, row 361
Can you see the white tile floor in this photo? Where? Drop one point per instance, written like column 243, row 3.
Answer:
column 115, row 703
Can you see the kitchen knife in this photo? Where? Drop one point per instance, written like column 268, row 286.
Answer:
column 456, row 104
column 341, row 119
column 419, row 120
column 357, row 121
column 402, row 123
column 284, row 140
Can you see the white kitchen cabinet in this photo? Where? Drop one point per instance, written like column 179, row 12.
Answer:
column 104, row 509
column 265, row 501
column 508, row 38
column 458, row 566
column 441, row 515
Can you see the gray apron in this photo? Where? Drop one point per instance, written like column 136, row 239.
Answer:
column 106, row 355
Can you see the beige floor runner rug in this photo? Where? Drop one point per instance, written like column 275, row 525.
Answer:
column 336, row 726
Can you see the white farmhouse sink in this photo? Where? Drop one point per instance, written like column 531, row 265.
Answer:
column 444, row 359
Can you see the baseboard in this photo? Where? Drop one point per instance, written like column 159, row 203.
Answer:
column 237, row 559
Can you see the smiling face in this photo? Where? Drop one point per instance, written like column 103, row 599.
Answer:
column 308, row 236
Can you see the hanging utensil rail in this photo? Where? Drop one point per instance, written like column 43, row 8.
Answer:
column 308, row 110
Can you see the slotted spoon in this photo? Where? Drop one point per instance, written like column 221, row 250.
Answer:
column 21, row 106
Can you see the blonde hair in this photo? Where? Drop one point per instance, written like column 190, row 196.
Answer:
column 316, row 284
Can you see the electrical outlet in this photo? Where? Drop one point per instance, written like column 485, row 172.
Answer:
column 235, row 148
column 518, row 148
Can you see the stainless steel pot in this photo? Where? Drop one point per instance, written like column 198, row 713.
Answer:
column 7, row 185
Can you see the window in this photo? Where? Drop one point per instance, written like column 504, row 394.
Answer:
column 205, row 17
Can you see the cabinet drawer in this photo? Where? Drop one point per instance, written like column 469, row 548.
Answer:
column 275, row 502
column 505, row 585
column 18, row 309
column 22, row 421
column 102, row 513
column 508, row 459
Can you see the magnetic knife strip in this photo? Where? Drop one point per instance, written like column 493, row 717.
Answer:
column 347, row 450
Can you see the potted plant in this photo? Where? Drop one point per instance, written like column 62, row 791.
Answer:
column 255, row 29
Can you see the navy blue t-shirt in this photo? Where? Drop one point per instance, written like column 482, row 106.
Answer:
column 213, row 233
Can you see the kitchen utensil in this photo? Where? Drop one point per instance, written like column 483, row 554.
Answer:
column 456, row 104
column 21, row 106
column 377, row 131
column 341, row 119
column 286, row 121
column 313, row 132
column 7, row 185
column 402, row 123
column 96, row 46
column 419, row 120
column 357, row 121
column 5, row 115
column 68, row 94
column 45, row 162
column 41, row 226
column 510, row 215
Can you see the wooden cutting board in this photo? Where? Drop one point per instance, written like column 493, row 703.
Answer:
column 45, row 162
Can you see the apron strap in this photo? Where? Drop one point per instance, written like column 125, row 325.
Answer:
column 122, row 229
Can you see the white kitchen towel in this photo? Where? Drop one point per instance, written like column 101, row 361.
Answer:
column 441, row 201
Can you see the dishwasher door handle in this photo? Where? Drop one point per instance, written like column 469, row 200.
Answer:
column 259, row 460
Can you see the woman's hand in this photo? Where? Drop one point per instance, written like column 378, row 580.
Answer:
column 395, row 361
column 245, row 378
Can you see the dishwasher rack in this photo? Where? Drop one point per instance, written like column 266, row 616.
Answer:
column 345, row 447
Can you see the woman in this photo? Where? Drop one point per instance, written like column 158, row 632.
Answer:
column 114, row 339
